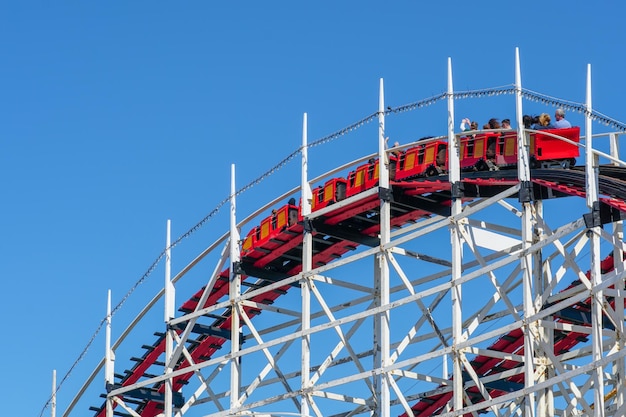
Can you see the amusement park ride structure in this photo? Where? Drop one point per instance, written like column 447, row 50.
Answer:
column 357, row 308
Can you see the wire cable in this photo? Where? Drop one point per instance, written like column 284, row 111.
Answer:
column 487, row 92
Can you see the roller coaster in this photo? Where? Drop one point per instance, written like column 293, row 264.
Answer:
column 460, row 292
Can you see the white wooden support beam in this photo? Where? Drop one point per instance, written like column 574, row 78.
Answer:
column 525, row 196
column 109, row 359
column 381, row 271
column 619, row 369
column 234, row 291
column 305, row 283
column 53, row 401
column 597, row 297
column 169, row 314
column 457, row 248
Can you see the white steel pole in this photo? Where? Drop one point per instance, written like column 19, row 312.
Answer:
column 454, row 172
column 234, row 293
column 381, row 269
column 307, row 262
column 596, row 278
column 169, row 314
column 109, row 359
column 53, row 403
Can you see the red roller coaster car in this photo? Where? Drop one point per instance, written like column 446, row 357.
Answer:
column 480, row 152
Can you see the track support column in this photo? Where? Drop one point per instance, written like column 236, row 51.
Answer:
column 529, row 328
column 169, row 315
column 618, row 264
column 597, row 296
column 53, row 399
column 381, row 275
column 306, row 282
column 545, row 400
column 234, row 292
column 109, row 360
column 456, row 241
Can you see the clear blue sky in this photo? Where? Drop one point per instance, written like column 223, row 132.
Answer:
column 115, row 116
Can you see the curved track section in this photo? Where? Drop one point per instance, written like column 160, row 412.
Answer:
column 494, row 368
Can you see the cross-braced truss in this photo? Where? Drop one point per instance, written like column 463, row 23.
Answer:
column 461, row 294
